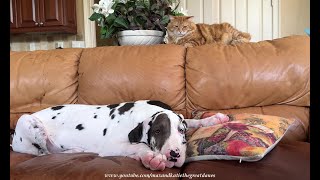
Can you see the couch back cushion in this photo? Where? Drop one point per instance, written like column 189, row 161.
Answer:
column 128, row 73
column 40, row 79
column 265, row 73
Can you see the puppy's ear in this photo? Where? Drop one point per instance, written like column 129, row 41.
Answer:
column 185, row 124
column 136, row 134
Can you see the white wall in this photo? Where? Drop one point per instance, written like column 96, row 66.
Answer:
column 263, row 19
column 295, row 16
column 258, row 17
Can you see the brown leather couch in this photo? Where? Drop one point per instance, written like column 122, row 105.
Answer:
column 268, row 77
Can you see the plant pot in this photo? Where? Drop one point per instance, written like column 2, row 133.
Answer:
column 140, row 37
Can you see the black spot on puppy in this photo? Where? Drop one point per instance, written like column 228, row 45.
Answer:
column 59, row 113
column 152, row 117
column 37, row 146
column 112, row 111
column 160, row 104
column 79, row 127
column 98, row 107
column 173, row 160
column 135, row 134
column 53, row 117
column 61, row 146
column 126, row 107
column 112, row 117
column 159, row 130
column 111, row 106
column 95, row 116
column 104, row 131
column 21, row 139
column 35, row 126
column 57, row 108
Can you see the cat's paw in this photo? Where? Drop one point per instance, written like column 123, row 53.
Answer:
column 218, row 118
column 188, row 45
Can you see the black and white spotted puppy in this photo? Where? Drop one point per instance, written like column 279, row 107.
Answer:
column 145, row 130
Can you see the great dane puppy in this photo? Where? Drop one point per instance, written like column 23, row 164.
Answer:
column 146, row 130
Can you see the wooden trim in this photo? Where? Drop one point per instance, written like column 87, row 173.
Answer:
column 89, row 26
column 279, row 18
column 58, row 29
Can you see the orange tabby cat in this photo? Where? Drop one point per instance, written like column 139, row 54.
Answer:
column 181, row 30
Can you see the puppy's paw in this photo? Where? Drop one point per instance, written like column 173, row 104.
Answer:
column 153, row 161
column 218, row 118
column 169, row 164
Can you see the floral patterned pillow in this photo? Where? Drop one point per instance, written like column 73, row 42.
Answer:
column 246, row 137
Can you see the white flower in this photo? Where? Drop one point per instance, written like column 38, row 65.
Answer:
column 183, row 11
column 104, row 7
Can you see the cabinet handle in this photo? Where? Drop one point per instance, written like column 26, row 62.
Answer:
column 36, row 24
column 41, row 23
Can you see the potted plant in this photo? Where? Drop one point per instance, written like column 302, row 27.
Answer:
column 134, row 22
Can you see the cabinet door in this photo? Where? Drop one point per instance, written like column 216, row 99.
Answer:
column 13, row 14
column 51, row 13
column 27, row 13
column 70, row 12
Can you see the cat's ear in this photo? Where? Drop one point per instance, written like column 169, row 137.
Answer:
column 190, row 17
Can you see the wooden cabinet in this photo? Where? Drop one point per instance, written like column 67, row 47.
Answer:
column 43, row 16
column 13, row 15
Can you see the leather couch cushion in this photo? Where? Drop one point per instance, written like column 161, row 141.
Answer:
column 40, row 79
column 76, row 166
column 285, row 161
column 110, row 75
column 249, row 74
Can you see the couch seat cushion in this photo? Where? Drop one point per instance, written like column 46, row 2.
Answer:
column 285, row 161
column 76, row 166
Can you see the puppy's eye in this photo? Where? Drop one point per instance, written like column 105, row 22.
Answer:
column 157, row 131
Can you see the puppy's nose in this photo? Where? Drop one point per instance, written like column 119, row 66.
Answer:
column 174, row 154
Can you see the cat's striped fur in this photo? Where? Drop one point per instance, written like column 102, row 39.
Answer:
column 182, row 31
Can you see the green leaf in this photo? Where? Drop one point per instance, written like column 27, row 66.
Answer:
column 165, row 19
column 95, row 16
column 147, row 3
column 121, row 22
column 110, row 32
column 154, row 7
column 103, row 30
column 178, row 14
column 110, row 19
column 130, row 9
